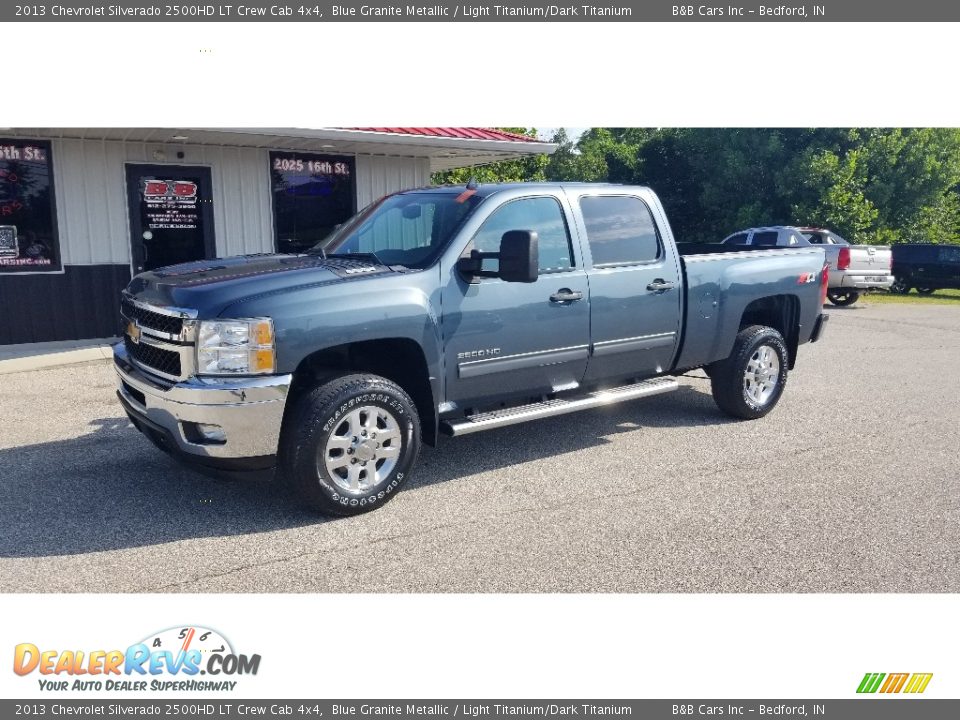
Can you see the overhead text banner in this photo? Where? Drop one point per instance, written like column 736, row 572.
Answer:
column 229, row 708
column 501, row 11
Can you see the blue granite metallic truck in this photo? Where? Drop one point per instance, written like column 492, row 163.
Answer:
column 451, row 310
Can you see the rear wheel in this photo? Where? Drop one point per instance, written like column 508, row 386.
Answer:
column 349, row 445
column 750, row 382
column 900, row 286
column 926, row 290
column 843, row 296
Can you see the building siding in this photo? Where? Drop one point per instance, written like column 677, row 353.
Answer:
column 378, row 176
column 92, row 200
column 81, row 302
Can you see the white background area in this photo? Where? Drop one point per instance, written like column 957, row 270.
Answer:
column 521, row 646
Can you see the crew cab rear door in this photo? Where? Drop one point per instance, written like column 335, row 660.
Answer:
column 943, row 271
column 635, row 285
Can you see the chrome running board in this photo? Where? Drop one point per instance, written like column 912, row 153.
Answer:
column 561, row 406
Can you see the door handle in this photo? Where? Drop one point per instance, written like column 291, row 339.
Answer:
column 660, row 285
column 566, row 295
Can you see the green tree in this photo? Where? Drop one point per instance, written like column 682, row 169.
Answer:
column 564, row 163
column 888, row 185
column 524, row 169
column 872, row 185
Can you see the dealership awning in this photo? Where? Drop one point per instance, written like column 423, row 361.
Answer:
column 445, row 147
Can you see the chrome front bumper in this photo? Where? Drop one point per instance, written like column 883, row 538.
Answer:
column 248, row 410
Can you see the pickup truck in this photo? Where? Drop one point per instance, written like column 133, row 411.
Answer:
column 853, row 268
column 926, row 267
column 451, row 310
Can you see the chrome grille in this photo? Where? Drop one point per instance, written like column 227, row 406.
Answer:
column 154, row 358
column 168, row 324
column 159, row 339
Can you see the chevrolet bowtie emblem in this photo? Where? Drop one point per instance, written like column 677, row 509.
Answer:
column 133, row 330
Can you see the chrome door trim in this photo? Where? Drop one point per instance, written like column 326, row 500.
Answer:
column 640, row 342
column 521, row 361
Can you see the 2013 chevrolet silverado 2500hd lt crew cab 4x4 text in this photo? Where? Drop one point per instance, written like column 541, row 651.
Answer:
column 451, row 310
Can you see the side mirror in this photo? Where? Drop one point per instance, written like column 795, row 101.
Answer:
column 519, row 256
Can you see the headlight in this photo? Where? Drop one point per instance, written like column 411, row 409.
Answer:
column 236, row 347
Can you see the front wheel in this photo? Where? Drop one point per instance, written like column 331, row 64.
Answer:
column 900, row 286
column 349, row 445
column 843, row 296
column 926, row 290
column 750, row 382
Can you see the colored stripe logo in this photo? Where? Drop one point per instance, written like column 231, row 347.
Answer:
column 884, row 683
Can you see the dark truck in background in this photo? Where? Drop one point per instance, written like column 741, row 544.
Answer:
column 451, row 310
column 926, row 267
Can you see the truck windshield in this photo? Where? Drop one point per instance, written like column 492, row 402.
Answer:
column 409, row 229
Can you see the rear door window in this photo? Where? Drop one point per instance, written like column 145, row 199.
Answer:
column 620, row 230
column 766, row 238
column 950, row 255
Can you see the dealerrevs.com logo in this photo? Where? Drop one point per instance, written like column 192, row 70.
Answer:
column 178, row 659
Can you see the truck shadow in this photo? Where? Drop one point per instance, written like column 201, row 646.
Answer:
column 111, row 489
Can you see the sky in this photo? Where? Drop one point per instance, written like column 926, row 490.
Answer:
column 572, row 132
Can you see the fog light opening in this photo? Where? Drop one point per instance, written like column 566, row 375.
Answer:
column 204, row 434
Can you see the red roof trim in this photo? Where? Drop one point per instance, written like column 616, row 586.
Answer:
column 457, row 133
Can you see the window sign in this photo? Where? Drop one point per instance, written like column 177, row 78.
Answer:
column 28, row 218
column 170, row 204
column 312, row 195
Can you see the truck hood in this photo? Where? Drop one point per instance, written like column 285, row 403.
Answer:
column 209, row 286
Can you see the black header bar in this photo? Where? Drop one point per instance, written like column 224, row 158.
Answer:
column 498, row 11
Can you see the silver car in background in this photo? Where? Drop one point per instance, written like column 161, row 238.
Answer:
column 853, row 268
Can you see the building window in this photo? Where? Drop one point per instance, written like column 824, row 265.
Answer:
column 312, row 195
column 620, row 230
column 28, row 216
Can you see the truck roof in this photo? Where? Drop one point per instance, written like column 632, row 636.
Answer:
column 800, row 228
column 485, row 189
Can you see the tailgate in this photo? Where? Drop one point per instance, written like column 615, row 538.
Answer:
column 869, row 260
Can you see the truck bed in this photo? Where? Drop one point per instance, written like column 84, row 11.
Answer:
column 725, row 283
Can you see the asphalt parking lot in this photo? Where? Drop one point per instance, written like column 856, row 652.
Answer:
column 851, row 485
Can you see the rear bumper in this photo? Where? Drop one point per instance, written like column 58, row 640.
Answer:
column 860, row 280
column 818, row 327
column 249, row 412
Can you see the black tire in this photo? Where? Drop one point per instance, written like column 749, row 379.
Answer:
column 325, row 411
column 926, row 290
column 900, row 286
column 841, row 297
column 728, row 377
